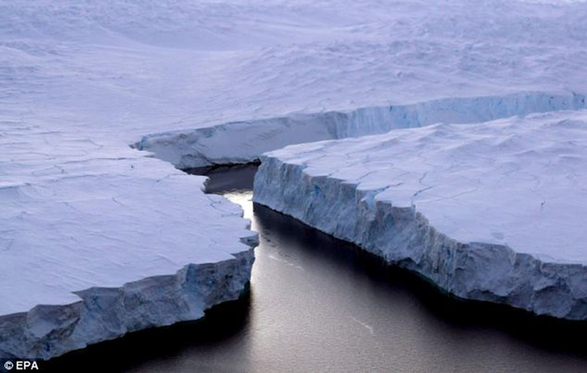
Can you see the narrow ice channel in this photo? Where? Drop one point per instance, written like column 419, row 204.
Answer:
column 317, row 303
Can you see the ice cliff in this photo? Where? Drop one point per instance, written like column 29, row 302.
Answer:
column 97, row 239
column 97, row 242
column 491, row 212
column 242, row 142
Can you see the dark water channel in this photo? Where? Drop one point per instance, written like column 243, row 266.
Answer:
column 317, row 304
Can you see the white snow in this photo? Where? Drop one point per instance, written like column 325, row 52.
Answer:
column 134, row 68
column 84, row 222
column 215, row 82
column 492, row 211
column 243, row 142
column 76, row 215
column 376, row 54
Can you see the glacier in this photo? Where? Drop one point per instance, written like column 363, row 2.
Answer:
column 492, row 211
column 95, row 244
column 244, row 142
column 88, row 224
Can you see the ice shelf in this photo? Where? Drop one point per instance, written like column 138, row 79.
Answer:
column 245, row 141
column 97, row 241
column 492, row 211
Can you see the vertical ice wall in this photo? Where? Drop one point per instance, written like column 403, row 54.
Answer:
column 489, row 212
column 242, row 142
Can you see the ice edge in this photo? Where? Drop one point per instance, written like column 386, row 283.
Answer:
column 102, row 314
column 403, row 236
column 244, row 141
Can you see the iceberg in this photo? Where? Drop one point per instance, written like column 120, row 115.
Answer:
column 98, row 239
column 491, row 211
column 96, row 243
column 245, row 141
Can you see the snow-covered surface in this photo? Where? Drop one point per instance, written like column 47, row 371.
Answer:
column 340, row 56
column 492, row 211
column 243, row 142
column 110, row 227
column 81, row 81
column 76, row 215
column 134, row 68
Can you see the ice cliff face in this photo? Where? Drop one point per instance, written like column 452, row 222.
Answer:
column 489, row 212
column 99, row 241
column 242, row 142
column 107, row 313
column 87, row 222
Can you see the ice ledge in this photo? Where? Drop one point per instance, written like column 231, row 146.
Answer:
column 98, row 240
column 245, row 141
column 376, row 192
column 107, row 313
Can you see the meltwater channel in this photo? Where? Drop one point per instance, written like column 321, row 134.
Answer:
column 317, row 304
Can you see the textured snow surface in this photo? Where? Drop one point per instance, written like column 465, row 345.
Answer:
column 76, row 215
column 242, row 142
column 137, row 240
column 135, row 68
column 341, row 56
column 492, row 211
column 210, row 82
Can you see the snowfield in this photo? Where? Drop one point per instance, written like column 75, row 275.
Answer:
column 247, row 140
column 493, row 211
column 88, row 224
column 96, row 243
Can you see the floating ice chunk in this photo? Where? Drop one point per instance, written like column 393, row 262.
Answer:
column 492, row 211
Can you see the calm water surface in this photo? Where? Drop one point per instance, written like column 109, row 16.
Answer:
column 317, row 304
